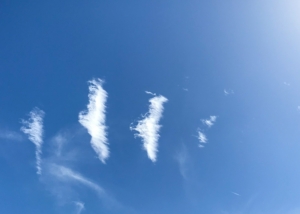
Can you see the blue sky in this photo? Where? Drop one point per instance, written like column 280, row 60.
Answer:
column 150, row 107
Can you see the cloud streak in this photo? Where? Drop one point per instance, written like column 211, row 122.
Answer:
column 10, row 135
column 68, row 175
column 148, row 128
column 79, row 206
column 93, row 119
column 33, row 128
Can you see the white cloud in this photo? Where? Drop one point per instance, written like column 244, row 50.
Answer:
column 79, row 206
column 235, row 193
column 210, row 122
column 228, row 92
column 33, row 128
column 182, row 159
column 94, row 119
column 148, row 92
column 202, row 138
column 66, row 180
column 67, row 175
column 148, row 128
column 10, row 135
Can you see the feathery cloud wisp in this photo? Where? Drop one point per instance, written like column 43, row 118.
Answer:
column 209, row 122
column 33, row 128
column 202, row 138
column 228, row 92
column 148, row 128
column 10, row 135
column 79, row 206
column 94, row 118
column 68, row 175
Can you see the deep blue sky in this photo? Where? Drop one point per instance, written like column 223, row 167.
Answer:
column 188, row 51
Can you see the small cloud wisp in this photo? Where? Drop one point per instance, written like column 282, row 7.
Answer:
column 148, row 128
column 202, row 138
column 33, row 128
column 93, row 119
column 79, row 206
column 210, row 122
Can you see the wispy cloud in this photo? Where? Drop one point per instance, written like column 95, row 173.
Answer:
column 33, row 128
column 228, row 92
column 79, row 206
column 182, row 159
column 235, row 193
column 148, row 128
column 93, row 119
column 68, row 175
column 202, row 138
column 209, row 122
column 148, row 92
column 60, row 178
column 63, row 182
column 10, row 135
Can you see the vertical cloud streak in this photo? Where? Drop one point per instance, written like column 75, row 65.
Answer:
column 148, row 128
column 93, row 119
column 33, row 128
column 202, row 138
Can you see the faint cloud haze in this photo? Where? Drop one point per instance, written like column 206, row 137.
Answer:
column 93, row 119
column 79, row 206
column 148, row 128
column 33, row 128
column 10, row 135
column 228, row 92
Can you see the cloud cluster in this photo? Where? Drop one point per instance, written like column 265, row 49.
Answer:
column 148, row 128
column 93, row 119
column 33, row 128
column 201, row 135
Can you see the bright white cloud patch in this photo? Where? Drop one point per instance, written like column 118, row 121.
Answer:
column 202, row 138
column 93, row 119
column 210, row 122
column 33, row 128
column 148, row 128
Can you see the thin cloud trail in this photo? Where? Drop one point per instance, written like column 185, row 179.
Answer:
column 33, row 128
column 68, row 175
column 10, row 135
column 148, row 128
column 93, row 119
column 79, row 206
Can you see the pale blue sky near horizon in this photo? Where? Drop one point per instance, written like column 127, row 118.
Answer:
column 238, row 61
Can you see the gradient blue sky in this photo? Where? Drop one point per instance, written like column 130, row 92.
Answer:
column 191, row 52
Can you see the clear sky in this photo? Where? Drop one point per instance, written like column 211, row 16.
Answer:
column 150, row 107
